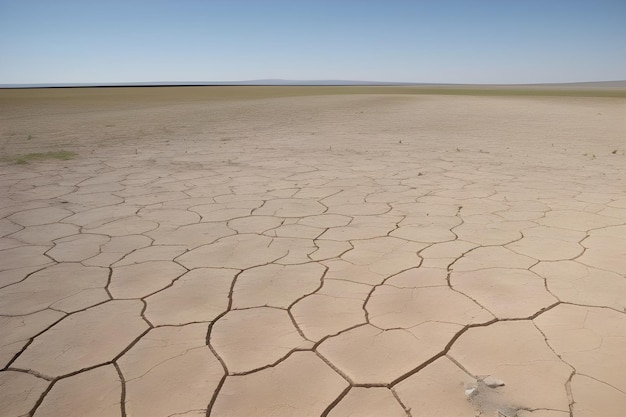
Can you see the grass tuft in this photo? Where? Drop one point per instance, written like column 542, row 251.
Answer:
column 61, row 155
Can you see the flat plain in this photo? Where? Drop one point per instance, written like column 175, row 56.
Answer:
column 312, row 251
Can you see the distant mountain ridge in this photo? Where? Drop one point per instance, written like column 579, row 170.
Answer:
column 618, row 84
column 268, row 82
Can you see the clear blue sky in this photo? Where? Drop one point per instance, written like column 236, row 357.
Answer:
column 465, row 41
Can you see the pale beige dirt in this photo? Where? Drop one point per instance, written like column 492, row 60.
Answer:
column 342, row 255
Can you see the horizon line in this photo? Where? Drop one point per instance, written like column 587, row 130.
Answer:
column 270, row 82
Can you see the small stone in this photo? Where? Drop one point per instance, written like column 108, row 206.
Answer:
column 507, row 412
column 492, row 382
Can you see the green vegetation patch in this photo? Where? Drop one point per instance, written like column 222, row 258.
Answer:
column 32, row 157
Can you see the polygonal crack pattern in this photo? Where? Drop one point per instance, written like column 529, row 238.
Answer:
column 342, row 266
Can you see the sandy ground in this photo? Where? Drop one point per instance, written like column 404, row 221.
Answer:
column 335, row 255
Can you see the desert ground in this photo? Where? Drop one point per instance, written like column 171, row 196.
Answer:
column 322, row 251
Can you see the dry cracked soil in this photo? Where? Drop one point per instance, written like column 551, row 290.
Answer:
column 332, row 255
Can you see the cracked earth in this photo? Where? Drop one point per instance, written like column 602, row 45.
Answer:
column 315, row 256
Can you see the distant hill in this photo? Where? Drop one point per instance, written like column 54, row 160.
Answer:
column 596, row 85
column 272, row 82
column 308, row 82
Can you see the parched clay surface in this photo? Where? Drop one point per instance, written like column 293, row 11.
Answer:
column 356, row 255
